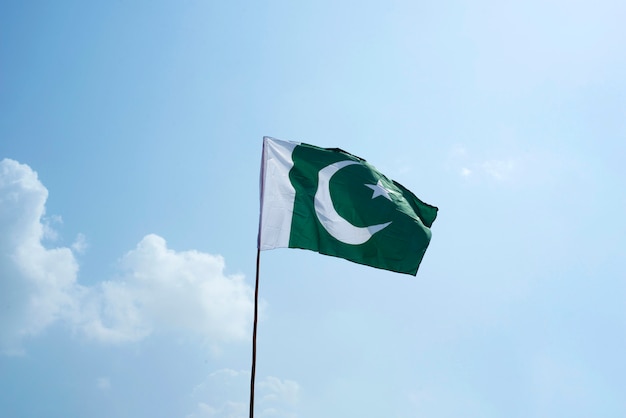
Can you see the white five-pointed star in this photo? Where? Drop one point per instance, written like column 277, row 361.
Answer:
column 380, row 190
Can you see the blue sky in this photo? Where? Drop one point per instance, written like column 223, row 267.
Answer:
column 130, row 145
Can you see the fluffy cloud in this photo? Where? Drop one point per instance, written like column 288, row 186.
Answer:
column 284, row 390
column 165, row 290
column 159, row 289
column 274, row 397
column 37, row 285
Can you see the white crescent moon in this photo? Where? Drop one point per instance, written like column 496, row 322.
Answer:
column 337, row 226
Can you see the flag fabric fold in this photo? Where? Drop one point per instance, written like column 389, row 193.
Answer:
column 334, row 203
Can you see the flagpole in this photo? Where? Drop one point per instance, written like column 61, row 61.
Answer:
column 256, row 315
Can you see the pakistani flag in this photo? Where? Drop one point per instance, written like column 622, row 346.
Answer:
column 335, row 203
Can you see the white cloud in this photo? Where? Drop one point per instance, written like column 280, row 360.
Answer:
column 159, row 290
column 80, row 244
column 166, row 290
column 49, row 233
column 283, row 390
column 225, row 394
column 37, row 285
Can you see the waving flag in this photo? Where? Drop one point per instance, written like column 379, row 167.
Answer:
column 335, row 203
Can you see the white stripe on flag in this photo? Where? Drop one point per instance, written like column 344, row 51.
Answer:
column 277, row 194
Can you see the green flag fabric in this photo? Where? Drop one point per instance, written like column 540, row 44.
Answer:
column 335, row 203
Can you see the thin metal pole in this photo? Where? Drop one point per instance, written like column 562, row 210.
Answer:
column 256, row 314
